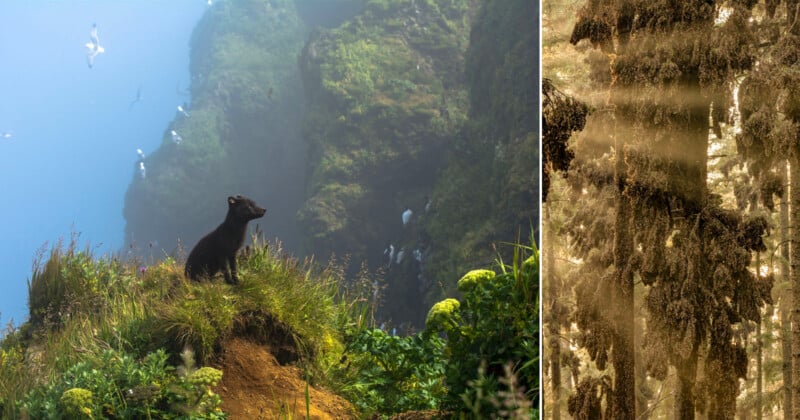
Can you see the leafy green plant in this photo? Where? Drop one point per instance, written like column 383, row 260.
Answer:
column 115, row 384
column 76, row 402
column 192, row 393
column 97, row 387
column 391, row 374
column 492, row 335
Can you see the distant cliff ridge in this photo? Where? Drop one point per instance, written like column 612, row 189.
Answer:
column 243, row 134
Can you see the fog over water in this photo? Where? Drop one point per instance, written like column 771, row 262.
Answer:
column 74, row 130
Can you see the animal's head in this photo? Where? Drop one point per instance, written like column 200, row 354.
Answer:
column 243, row 208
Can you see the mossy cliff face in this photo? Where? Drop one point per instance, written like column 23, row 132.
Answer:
column 242, row 135
column 386, row 99
column 489, row 191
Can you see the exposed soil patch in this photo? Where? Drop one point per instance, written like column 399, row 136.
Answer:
column 255, row 386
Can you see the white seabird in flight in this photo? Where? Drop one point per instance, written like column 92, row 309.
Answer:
column 6, row 135
column 181, row 110
column 176, row 137
column 140, row 153
column 94, row 46
column 390, row 252
column 407, row 216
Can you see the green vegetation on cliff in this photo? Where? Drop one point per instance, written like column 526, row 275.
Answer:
column 385, row 96
column 386, row 99
column 489, row 191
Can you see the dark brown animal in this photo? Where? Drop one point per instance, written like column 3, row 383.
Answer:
column 217, row 251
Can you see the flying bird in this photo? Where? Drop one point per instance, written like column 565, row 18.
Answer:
column 94, row 46
column 6, row 135
column 138, row 98
column 407, row 216
column 142, row 170
column 182, row 111
column 176, row 137
column 140, row 153
column 390, row 252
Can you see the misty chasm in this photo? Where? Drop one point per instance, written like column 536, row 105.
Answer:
column 338, row 117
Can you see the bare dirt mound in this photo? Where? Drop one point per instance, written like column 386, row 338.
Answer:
column 255, row 386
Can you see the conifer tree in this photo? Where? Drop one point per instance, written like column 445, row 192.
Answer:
column 672, row 66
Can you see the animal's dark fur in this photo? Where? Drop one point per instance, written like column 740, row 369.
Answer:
column 217, row 250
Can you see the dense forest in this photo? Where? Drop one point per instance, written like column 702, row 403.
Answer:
column 395, row 274
column 672, row 290
column 338, row 119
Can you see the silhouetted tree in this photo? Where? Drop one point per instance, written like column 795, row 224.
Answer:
column 561, row 116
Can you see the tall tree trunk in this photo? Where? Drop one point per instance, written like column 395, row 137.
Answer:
column 759, row 352
column 786, row 304
column 692, row 145
column 687, row 375
column 553, row 325
column 624, row 396
column 759, row 373
column 643, row 393
column 794, row 211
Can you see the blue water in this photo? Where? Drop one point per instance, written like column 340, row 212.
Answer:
column 73, row 147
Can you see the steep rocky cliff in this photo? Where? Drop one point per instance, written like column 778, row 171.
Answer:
column 242, row 135
column 386, row 100
column 489, row 191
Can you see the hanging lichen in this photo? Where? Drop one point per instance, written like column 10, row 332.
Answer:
column 561, row 116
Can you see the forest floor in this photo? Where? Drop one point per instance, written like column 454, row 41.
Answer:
column 255, row 386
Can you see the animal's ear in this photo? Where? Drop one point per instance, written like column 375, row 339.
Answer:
column 231, row 200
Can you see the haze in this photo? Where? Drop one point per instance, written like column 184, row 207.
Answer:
column 74, row 133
